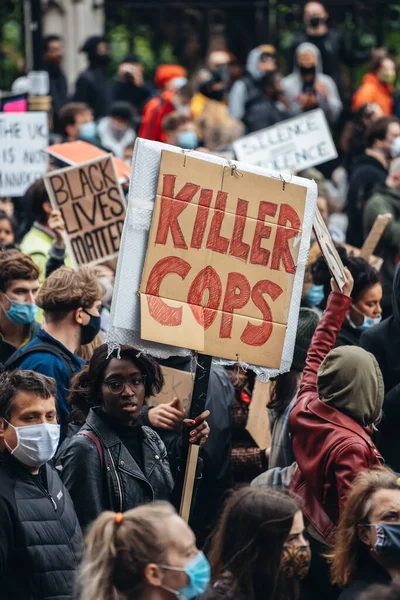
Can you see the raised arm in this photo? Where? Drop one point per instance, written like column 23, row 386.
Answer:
column 325, row 335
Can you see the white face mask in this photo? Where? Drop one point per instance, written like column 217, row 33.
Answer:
column 36, row 444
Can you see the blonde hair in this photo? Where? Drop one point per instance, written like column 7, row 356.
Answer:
column 349, row 551
column 118, row 550
column 67, row 289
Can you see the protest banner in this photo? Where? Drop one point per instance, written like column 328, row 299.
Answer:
column 23, row 137
column 372, row 240
column 289, row 146
column 258, row 420
column 221, row 260
column 178, row 384
column 91, row 203
column 80, row 152
column 329, row 251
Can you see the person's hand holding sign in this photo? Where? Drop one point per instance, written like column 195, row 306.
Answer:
column 200, row 429
column 348, row 286
column 57, row 226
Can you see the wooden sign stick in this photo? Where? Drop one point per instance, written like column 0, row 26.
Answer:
column 375, row 235
column 190, row 452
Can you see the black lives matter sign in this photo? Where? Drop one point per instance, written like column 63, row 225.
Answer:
column 91, row 203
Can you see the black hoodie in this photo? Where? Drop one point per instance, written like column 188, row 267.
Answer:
column 366, row 175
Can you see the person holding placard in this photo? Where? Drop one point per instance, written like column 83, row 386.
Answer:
column 365, row 311
column 114, row 462
column 340, row 397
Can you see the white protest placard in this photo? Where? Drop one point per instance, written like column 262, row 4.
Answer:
column 23, row 137
column 289, row 146
column 258, row 241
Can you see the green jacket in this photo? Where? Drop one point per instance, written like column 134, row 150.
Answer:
column 385, row 200
column 37, row 244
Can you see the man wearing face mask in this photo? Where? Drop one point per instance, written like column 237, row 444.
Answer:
column 116, row 131
column 173, row 99
column 180, row 130
column 377, row 86
column 369, row 172
column 40, row 537
column 76, row 122
column 329, row 42
column 19, row 285
column 71, row 301
column 93, row 85
column 308, row 88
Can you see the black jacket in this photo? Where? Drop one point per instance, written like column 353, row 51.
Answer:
column 40, row 537
column 262, row 113
column 383, row 340
column 366, row 176
column 94, row 88
column 370, row 574
column 120, row 484
column 348, row 335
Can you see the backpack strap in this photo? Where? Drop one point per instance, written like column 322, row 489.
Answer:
column 15, row 359
column 96, row 441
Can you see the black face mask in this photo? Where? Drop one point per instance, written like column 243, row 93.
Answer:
column 315, row 21
column 101, row 60
column 89, row 331
column 308, row 71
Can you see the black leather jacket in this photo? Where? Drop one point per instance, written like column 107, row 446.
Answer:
column 113, row 480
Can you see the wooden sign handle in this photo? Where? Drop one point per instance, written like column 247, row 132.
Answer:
column 190, row 452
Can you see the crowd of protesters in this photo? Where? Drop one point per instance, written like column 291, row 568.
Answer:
column 91, row 471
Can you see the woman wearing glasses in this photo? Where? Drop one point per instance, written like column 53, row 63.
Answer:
column 113, row 462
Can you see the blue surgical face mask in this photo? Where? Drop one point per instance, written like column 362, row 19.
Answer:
column 314, row 295
column 188, row 140
column 88, row 131
column 21, row 313
column 387, row 542
column 368, row 321
column 198, row 571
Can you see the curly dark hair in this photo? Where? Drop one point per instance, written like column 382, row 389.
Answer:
column 365, row 276
column 88, row 385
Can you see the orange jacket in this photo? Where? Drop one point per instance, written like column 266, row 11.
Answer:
column 153, row 114
column 374, row 91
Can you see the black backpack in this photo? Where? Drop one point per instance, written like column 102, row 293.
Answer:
column 16, row 359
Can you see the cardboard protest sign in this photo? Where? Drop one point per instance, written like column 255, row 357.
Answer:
column 374, row 261
column 289, row 146
column 93, row 208
column 77, row 153
column 372, row 240
column 329, row 251
column 23, row 137
column 178, row 384
column 258, row 424
column 221, row 260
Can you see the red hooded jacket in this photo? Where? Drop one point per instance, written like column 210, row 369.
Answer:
column 331, row 447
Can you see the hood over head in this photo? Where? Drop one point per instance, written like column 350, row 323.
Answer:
column 350, row 380
column 314, row 49
column 254, row 58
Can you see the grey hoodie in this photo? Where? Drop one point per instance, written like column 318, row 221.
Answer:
column 293, row 87
column 239, row 92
